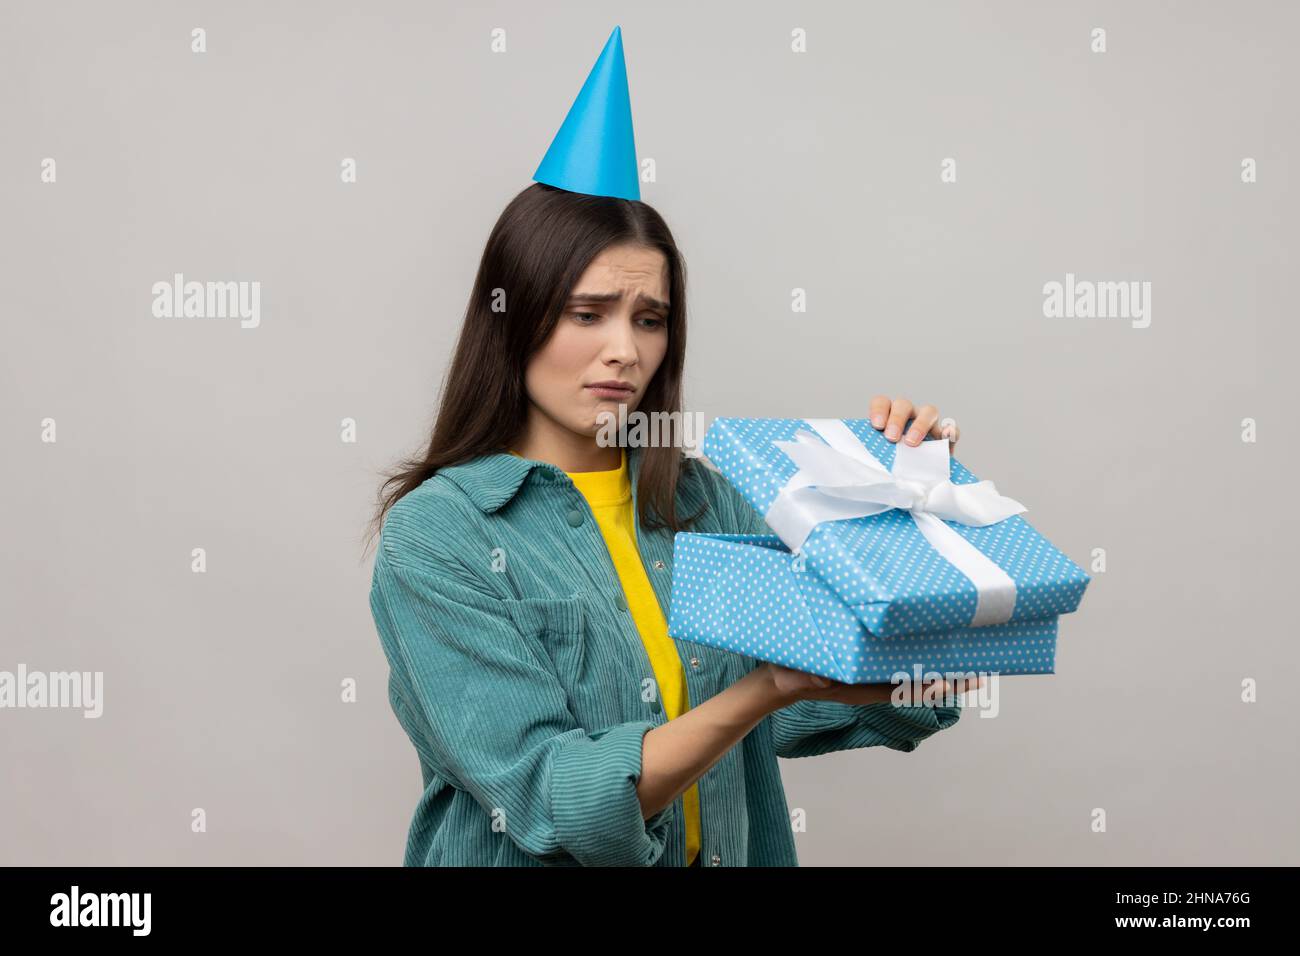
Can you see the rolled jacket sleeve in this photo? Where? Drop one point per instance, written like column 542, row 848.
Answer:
column 807, row 728
column 499, row 724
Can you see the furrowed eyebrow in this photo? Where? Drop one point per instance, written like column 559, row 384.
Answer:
column 589, row 298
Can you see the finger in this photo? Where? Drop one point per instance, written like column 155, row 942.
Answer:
column 866, row 694
column 942, row 692
column 946, row 428
column 879, row 410
column 941, row 426
column 900, row 411
column 926, row 416
column 967, row 684
column 949, row 693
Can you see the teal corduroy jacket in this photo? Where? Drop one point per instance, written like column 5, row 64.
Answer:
column 517, row 672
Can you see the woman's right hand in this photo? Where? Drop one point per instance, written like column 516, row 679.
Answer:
column 790, row 686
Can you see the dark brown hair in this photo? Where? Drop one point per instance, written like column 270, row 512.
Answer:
column 539, row 248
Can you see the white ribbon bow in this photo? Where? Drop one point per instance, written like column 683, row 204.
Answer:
column 842, row 479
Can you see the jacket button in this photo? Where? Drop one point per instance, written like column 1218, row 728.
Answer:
column 715, row 860
column 695, row 662
column 659, row 565
column 574, row 518
column 620, row 602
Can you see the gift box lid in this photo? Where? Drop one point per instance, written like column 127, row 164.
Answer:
column 886, row 567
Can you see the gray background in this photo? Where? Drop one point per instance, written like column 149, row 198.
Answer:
column 776, row 171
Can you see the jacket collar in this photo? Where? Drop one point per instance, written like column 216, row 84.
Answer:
column 492, row 480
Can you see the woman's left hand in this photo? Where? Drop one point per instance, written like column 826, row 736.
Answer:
column 893, row 415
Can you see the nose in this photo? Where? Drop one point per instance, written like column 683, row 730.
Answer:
column 620, row 343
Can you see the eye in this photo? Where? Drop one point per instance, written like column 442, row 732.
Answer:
column 654, row 321
column 581, row 315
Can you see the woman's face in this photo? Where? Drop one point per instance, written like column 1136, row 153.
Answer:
column 613, row 329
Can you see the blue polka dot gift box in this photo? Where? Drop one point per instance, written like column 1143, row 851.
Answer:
column 885, row 557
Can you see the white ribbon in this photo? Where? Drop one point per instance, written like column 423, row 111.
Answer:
column 843, row 479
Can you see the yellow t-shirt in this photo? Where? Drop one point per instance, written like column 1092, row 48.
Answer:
column 609, row 493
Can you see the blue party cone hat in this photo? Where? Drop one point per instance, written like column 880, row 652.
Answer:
column 594, row 151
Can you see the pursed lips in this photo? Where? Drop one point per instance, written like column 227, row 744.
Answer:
column 610, row 391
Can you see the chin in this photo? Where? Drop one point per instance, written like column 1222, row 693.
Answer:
column 597, row 426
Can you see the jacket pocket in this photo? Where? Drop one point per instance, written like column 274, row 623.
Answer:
column 592, row 677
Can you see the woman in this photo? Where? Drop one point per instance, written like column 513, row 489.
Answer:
column 524, row 570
